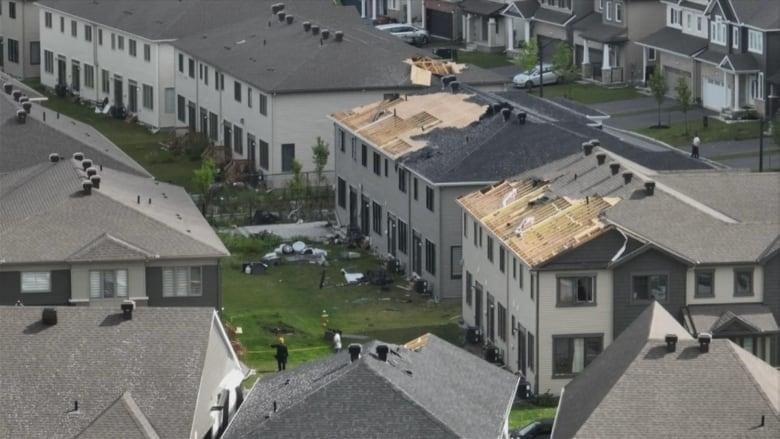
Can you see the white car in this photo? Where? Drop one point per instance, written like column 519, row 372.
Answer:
column 406, row 32
column 531, row 78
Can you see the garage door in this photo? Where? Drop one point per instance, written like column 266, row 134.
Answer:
column 673, row 77
column 439, row 23
column 713, row 94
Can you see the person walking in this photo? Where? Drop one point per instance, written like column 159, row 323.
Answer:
column 281, row 354
column 695, row 146
column 337, row 341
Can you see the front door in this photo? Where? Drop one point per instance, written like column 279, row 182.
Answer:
column 62, row 73
column 118, row 88
column 391, row 234
column 76, row 75
column 353, row 208
column 365, row 219
column 204, row 122
column 478, row 305
column 521, row 350
column 132, row 97
column 191, row 115
column 416, row 252
column 251, row 146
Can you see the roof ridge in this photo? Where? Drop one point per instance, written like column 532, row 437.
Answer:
column 732, row 347
column 139, row 417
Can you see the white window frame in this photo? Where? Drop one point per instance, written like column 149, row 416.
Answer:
column 735, row 37
column 718, row 31
column 147, row 100
column 608, row 9
column 619, row 8
column 185, row 275
column 35, row 282
column 699, row 24
column 97, row 279
column 601, row 5
column 755, row 41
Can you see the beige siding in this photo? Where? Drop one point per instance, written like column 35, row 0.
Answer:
column 724, row 286
column 136, row 281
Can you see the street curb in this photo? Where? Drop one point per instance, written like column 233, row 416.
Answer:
column 710, row 162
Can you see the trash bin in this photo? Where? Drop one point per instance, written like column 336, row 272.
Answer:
column 473, row 335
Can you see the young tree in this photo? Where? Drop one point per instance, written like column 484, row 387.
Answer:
column 320, row 153
column 528, row 56
column 658, row 87
column 203, row 180
column 296, row 186
column 563, row 66
column 684, row 98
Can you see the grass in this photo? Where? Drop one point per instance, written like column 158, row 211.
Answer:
column 588, row 93
column 289, row 296
column 485, row 60
column 138, row 142
column 716, row 131
column 522, row 415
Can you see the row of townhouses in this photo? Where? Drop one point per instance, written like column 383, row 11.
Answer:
column 558, row 261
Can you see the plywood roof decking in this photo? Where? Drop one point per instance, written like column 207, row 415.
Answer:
column 395, row 126
column 418, row 343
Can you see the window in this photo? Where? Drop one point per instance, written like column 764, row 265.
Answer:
column 100, row 37
column 249, row 97
column 402, row 180
column 13, row 51
column 147, row 52
column 170, row 100
column 376, row 219
column 608, row 10
column 377, row 164
column 148, row 97
column 755, row 41
column 414, row 188
column 429, row 198
column 475, row 226
column 263, row 146
column 12, row 9
column 698, row 23
column 674, row 17
column 36, row 282
column 501, row 322
column 62, row 24
column 402, row 232
column 490, row 248
column 364, row 155
column 288, row 156
column 131, row 47
column 468, row 288
column 113, row 41
column 619, row 12
column 191, row 68
column 263, row 104
column 520, row 276
column 601, row 5
column 342, row 193
column 718, row 32
column 182, row 282
column 221, row 81
column 238, row 140
column 743, row 282
column 105, row 81
column 650, row 54
column 206, row 75
column 646, row 287
column 237, row 91
column 89, row 76
column 480, row 237
column 514, row 268
column 35, row 53
column 572, row 354
column 574, row 291
column 705, row 283
column 430, row 257
column 47, row 19
column 386, row 168
column 105, row 284
column 501, row 258
column 735, row 37
column 48, row 61
column 456, row 261
column 120, row 42
column 181, row 63
column 531, row 351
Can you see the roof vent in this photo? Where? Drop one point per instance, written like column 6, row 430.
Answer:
column 127, row 309
column 595, row 142
column 587, row 147
column 671, row 342
column 17, row 94
column 615, row 168
column 86, row 163
column 49, row 316
column 23, row 98
column 381, row 352
column 354, row 351
column 521, row 115
column 600, row 158
column 289, row 19
column 338, row 36
column 446, row 80
column 704, row 341
column 27, row 106
column 95, row 179
column 276, row 7
column 21, row 115
column 306, row 26
column 325, row 34
column 78, row 156
column 8, row 88
column 54, row 157
column 86, row 185
column 649, row 188
column 627, row 176
column 91, row 171
column 281, row 15
column 507, row 113
column 455, row 87
column 315, row 29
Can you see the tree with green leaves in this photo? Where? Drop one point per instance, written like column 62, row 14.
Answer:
column 320, row 153
column 528, row 56
column 202, row 181
column 564, row 67
column 684, row 99
column 658, row 88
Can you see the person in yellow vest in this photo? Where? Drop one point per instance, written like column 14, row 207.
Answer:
column 281, row 354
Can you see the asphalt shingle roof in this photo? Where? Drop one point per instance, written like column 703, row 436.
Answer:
column 763, row 14
column 635, row 387
column 710, row 318
column 673, row 40
column 527, row 8
column 437, row 391
column 93, row 356
column 482, row 7
column 551, row 16
column 593, row 28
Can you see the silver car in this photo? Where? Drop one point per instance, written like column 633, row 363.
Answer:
column 406, row 32
column 531, row 78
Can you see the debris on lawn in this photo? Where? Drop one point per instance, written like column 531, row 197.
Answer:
column 353, row 278
column 297, row 251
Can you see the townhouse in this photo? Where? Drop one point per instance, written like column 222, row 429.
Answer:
column 559, row 261
column 727, row 51
column 404, row 11
column 20, row 48
column 82, row 224
column 402, row 162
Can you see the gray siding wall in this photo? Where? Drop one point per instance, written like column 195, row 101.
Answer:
column 450, row 234
column 210, row 283
column 11, row 286
column 596, row 253
column 652, row 261
column 772, row 295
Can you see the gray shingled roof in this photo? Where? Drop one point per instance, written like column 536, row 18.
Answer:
column 45, row 218
column 527, row 8
column 482, row 7
column 552, row 16
column 763, row 14
column 711, row 318
column 673, row 40
column 438, row 391
column 743, row 62
column 93, row 356
column 636, row 387
column 124, row 416
column 593, row 28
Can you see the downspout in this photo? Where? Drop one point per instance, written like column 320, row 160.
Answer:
column 409, row 227
column 508, row 304
column 536, row 344
column 97, row 77
column 25, row 59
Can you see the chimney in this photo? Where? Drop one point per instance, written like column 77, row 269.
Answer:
column 315, row 29
column 281, row 15
column 381, row 352
column 521, row 115
column 507, row 113
column 649, row 188
column 54, row 157
column 455, row 87
column 289, row 19
column 615, row 168
column 587, row 147
column 78, row 156
column 127, row 309
column 306, row 26
column 86, row 163
column 87, row 186
column 704, row 342
column 338, row 36
column 325, row 34
column 95, row 179
column 354, row 352
column 627, row 176
column 600, row 158
column 671, row 342
column 49, row 316
column 91, row 171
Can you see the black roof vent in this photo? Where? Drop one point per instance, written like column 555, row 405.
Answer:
column 21, row 115
column 17, row 94
column 289, row 19
column 455, row 87
column 627, row 176
column 49, row 316
column 615, row 168
column 671, row 342
column 587, row 147
column 649, row 188
column 78, row 156
column 381, row 352
column 521, row 116
column 95, row 179
column 54, row 157
column 281, row 15
column 276, row 7
column 704, row 341
column 86, row 163
column 601, row 158
column 315, row 29
column 338, row 36
column 27, row 106
column 91, row 171
column 8, row 88
column 446, row 80
column 86, row 185
column 595, row 142
column 325, row 34
column 127, row 309
column 354, row 351
column 507, row 113
column 306, row 26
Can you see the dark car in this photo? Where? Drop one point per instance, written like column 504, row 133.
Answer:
column 539, row 429
column 384, row 19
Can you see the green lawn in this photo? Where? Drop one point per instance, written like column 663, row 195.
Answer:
column 483, row 59
column 289, row 296
column 716, row 131
column 136, row 141
column 522, row 415
column 588, row 93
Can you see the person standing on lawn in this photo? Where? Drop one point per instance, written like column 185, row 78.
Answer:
column 281, row 354
column 337, row 341
column 695, row 145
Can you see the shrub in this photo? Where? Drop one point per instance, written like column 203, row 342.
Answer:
column 546, row 399
column 257, row 244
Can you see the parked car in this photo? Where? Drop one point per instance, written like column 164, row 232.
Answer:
column 530, row 78
column 539, row 429
column 384, row 19
column 408, row 33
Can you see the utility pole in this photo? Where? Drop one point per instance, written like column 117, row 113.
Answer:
column 541, row 68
